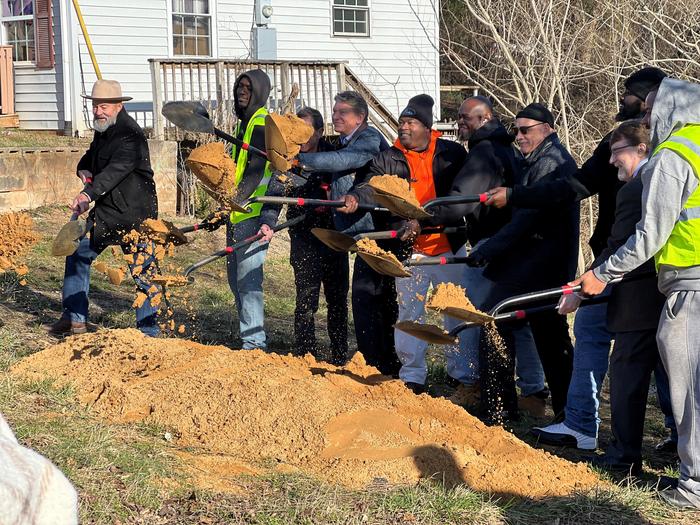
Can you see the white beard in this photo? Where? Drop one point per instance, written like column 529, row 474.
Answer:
column 622, row 175
column 102, row 126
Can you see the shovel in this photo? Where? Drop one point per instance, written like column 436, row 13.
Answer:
column 300, row 201
column 342, row 242
column 435, row 334
column 401, row 207
column 186, row 278
column 68, row 237
column 193, row 116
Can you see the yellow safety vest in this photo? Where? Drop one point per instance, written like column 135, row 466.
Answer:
column 241, row 159
column 682, row 249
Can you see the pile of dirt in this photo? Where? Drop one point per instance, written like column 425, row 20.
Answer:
column 396, row 186
column 17, row 236
column 284, row 136
column 347, row 425
column 215, row 170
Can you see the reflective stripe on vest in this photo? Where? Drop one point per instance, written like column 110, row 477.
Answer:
column 682, row 249
column 241, row 159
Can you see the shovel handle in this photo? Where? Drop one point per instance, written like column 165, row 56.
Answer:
column 435, row 261
column 456, row 199
column 240, row 143
column 241, row 244
column 301, row 201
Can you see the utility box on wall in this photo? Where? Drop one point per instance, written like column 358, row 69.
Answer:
column 263, row 43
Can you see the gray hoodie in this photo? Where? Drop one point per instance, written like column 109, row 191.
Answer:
column 668, row 183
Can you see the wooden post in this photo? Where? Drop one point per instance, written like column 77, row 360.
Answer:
column 340, row 72
column 284, row 80
column 219, row 71
column 157, row 90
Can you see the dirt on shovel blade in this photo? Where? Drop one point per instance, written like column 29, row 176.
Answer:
column 215, row 169
column 396, row 186
column 370, row 246
column 284, row 136
column 17, row 236
column 360, row 427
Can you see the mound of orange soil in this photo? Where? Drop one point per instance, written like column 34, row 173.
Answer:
column 17, row 236
column 347, row 425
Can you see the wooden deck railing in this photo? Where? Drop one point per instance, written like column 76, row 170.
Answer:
column 211, row 82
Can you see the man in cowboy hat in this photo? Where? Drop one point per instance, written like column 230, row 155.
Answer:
column 117, row 177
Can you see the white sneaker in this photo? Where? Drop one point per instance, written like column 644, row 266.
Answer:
column 560, row 435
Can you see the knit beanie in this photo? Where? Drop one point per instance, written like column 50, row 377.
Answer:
column 642, row 82
column 420, row 108
column 538, row 112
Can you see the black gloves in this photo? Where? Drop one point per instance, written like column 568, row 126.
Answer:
column 476, row 259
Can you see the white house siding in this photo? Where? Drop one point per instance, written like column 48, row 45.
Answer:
column 39, row 92
column 124, row 35
column 398, row 60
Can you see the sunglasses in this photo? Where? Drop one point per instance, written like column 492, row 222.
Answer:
column 614, row 151
column 524, row 129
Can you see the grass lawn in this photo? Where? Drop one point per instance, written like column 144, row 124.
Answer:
column 132, row 474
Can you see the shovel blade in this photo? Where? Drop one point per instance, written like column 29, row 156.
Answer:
column 284, row 135
column 68, row 238
column 464, row 314
column 384, row 265
column 172, row 280
column 335, row 240
column 399, row 206
column 426, row 332
column 190, row 116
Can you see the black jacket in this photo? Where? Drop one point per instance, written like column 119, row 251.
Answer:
column 490, row 162
column 595, row 177
column 634, row 305
column 255, row 167
column 122, row 186
column 447, row 161
column 537, row 248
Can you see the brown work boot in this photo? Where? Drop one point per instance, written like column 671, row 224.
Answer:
column 64, row 327
column 466, row 395
column 533, row 405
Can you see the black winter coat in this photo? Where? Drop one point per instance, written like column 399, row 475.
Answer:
column 538, row 248
column 595, row 177
column 490, row 162
column 122, row 186
column 634, row 305
column 447, row 161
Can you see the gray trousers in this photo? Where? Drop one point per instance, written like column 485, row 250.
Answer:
column 678, row 338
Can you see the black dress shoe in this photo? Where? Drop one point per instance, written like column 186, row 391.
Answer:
column 668, row 445
column 611, row 464
column 416, row 388
column 674, row 498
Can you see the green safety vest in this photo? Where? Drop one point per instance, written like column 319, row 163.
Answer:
column 682, row 249
column 241, row 160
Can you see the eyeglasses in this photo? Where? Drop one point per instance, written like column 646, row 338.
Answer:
column 620, row 148
column 524, row 129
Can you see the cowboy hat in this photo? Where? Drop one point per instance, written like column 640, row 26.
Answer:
column 108, row 91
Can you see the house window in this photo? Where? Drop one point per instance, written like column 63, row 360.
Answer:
column 350, row 18
column 18, row 24
column 191, row 28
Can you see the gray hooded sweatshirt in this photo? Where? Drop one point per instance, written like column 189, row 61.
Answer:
column 668, row 183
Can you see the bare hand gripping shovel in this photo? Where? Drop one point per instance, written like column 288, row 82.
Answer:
column 68, row 237
column 435, row 334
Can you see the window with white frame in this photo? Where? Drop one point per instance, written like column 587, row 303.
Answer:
column 18, row 25
column 191, row 28
column 350, row 17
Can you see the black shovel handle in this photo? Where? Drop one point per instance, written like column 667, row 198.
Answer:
column 435, row 261
column 241, row 244
column 240, row 143
column 456, row 199
column 517, row 315
column 301, row 201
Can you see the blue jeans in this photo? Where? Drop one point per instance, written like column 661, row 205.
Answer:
column 591, row 353
column 477, row 287
column 245, row 277
column 528, row 367
column 76, row 287
column 663, row 393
